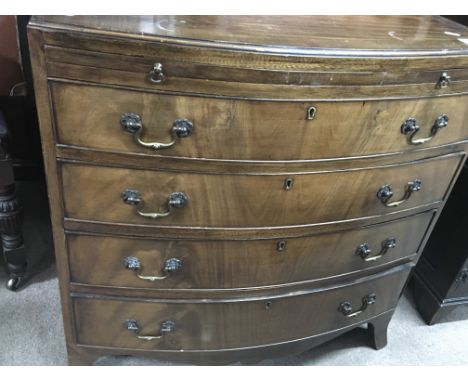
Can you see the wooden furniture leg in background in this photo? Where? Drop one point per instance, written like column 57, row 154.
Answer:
column 11, row 216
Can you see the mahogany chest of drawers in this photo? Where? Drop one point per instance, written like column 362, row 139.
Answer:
column 228, row 189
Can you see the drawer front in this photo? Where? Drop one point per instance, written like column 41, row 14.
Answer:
column 192, row 264
column 225, row 72
column 247, row 130
column 213, row 200
column 225, row 325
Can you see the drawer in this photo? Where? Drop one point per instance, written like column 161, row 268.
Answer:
column 247, row 130
column 231, row 73
column 225, row 264
column 120, row 195
column 204, row 325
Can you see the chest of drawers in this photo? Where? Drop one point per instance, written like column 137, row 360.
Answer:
column 228, row 189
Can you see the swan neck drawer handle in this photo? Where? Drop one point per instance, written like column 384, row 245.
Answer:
column 365, row 252
column 410, row 128
column 133, row 197
column 385, row 193
column 166, row 327
column 171, row 265
column 133, row 123
column 347, row 309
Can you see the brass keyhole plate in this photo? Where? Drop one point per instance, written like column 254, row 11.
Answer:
column 311, row 111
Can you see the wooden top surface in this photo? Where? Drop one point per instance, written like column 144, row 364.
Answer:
column 301, row 35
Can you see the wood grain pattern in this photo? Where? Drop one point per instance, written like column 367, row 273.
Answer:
column 86, row 355
column 252, row 91
column 45, row 115
column 209, row 233
column 175, row 68
column 287, row 34
column 215, row 166
column 223, row 72
column 195, row 57
column 203, row 326
column 111, row 57
column 94, row 193
column 223, row 68
column 98, row 260
column 246, row 130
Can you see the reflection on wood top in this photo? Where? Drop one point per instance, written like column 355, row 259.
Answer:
column 298, row 35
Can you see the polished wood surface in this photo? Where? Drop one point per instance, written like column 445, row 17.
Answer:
column 94, row 193
column 242, row 74
column 97, row 260
column 210, row 233
column 48, row 150
column 280, row 71
column 246, row 87
column 195, row 55
column 215, row 166
column 390, row 35
column 261, row 91
column 203, row 326
column 84, row 355
column 243, row 130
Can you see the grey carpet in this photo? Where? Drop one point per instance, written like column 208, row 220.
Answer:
column 31, row 330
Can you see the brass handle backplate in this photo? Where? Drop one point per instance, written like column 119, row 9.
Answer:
column 171, row 265
column 166, row 327
column 410, row 128
column 365, row 252
column 133, row 197
column 133, row 123
column 347, row 309
column 385, row 193
column 156, row 74
column 444, row 80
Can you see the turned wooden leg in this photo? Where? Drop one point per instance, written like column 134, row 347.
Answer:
column 378, row 330
column 11, row 215
column 11, row 220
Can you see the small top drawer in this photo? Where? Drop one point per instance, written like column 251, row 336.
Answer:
column 196, row 127
column 267, row 57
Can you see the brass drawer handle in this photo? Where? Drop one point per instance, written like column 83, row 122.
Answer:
column 133, row 123
column 365, row 252
column 170, row 266
column 410, row 128
column 166, row 327
column 156, row 75
column 385, row 193
column 133, row 197
column 347, row 309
